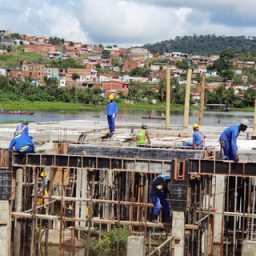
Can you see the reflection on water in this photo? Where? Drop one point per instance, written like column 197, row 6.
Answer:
column 210, row 118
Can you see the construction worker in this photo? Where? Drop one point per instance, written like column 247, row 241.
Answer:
column 21, row 143
column 111, row 112
column 198, row 138
column 228, row 139
column 23, row 127
column 142, row 135
column 158, row 197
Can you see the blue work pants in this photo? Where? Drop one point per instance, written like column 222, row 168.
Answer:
column 159, row 199
column 228, row 155
column 111, row 124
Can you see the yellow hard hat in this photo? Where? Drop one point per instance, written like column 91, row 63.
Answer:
column 195, row 125
column 111, row 97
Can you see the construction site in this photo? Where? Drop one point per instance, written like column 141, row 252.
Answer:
column 82, row 184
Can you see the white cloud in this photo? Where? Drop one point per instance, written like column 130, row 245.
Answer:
column 127, row 22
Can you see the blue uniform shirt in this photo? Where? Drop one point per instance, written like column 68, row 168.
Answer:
column 20, row 141
column 22, row 128
column 111, row 108
column 230, row 135
column 198, row 138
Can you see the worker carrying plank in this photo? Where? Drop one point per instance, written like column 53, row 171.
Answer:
column 228, row 140
column 158, row 196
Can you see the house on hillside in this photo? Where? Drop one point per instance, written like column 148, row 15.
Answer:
column 114, row 87
column 139, row 54
column 36, row 71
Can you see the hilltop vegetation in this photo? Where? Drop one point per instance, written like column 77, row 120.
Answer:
column 204, row 44
column 13, row 57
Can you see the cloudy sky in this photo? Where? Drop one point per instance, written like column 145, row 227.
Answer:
column 128, row 22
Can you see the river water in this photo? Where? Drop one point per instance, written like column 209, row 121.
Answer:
column 210, row 118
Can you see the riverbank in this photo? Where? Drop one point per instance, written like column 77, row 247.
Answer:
column 62, row 107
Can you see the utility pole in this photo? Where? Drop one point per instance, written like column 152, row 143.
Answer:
column 187, row 98
column 202, row 98
column 168, row 98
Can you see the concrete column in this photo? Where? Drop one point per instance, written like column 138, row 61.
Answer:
column 254, row 123
column 5, row 228
column 81, row 187
column 218, row 216
column 187, row 98
column 202, row 93
column 168, row 98
column 18, row 208
column 249, row 248
column 135, row 246
column 178, row 230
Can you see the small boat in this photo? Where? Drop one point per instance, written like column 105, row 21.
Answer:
column 217, row 107
column 153, row 117
column 26, row 113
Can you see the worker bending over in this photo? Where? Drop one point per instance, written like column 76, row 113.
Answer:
column 158, row 197
column 21, row 143
column 228, row 139
column 198, row 138
column 142, row 136
column 111, row 112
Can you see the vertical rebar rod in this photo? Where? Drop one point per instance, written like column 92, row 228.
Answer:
column 244, row 205
column 234, row 224
column 253, row 208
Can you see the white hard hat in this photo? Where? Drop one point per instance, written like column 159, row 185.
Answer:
column 245, row 122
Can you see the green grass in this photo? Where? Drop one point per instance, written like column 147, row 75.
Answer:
column 61, row 107
column 11, row 60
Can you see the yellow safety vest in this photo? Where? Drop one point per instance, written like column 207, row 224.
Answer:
column 141, row 137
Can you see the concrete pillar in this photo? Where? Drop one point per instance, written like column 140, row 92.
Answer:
column 202, row 93
column 81, row 192
column 254, row 123
column 135, row 246
column 178, row 230
column 218, row 216
column 5, row 228
column 18, row 208
column 168, row 98
column 249, row 248
column 187, row 98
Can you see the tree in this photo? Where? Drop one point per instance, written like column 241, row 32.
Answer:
column 224, row 65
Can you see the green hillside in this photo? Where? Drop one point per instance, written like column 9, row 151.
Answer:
column 204, row 44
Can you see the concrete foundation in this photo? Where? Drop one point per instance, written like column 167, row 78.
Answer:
column 135, row 152
column 249, row 248
column 135, row 246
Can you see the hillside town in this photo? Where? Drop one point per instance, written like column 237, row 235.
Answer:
column 110, row 68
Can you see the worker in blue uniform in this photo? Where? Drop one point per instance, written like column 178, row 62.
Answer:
column 158, row 197
column 198, row 138
column 111, row 112
column 23, row 127
column 228, row 139
column 21, row 143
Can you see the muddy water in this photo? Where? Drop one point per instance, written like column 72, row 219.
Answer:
column 210, row 118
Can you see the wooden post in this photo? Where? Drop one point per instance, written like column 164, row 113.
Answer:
column 254, row 123
column 168, row 98
column 202, row 95
column 187, row 98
